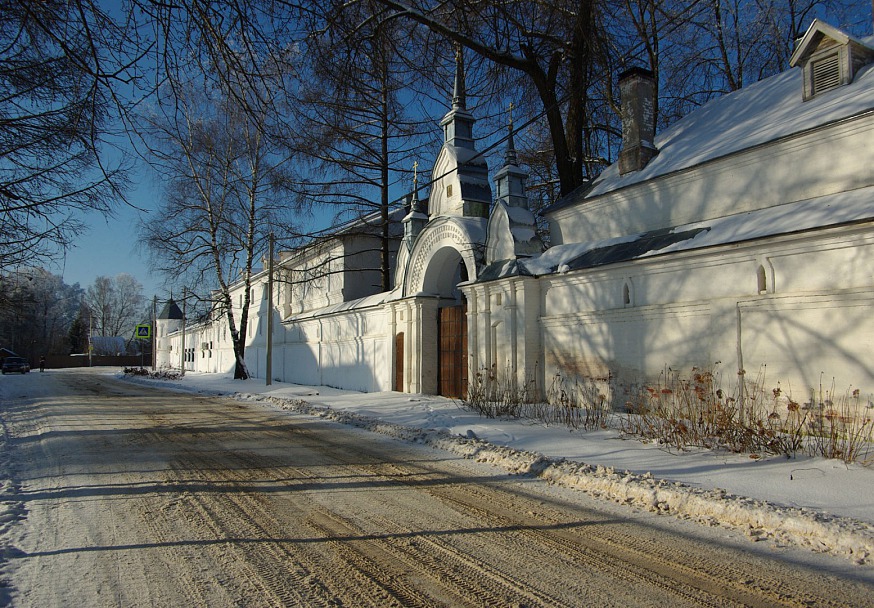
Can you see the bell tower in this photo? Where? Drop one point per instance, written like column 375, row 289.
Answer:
column 461, row 185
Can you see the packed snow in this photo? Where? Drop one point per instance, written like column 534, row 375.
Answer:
column 825, row 505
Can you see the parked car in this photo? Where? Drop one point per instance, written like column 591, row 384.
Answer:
column 16, row 364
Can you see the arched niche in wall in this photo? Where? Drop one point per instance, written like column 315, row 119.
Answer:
column 627, row 293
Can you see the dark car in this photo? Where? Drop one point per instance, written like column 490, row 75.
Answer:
column 16, row 364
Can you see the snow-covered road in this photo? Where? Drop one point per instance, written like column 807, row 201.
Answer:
column 122, row 495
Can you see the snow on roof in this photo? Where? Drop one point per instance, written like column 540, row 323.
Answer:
column 348, row 306
column 466, row 156
column 825, row 211
column 170, row 311
column 759, row 113
column 108, row 344
column 821, row 212
column 416, row 215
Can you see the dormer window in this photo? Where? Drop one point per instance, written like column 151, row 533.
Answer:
column 829, row 58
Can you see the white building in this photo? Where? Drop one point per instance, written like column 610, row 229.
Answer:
column 742, row 234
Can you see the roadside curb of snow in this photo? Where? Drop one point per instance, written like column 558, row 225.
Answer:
column 758, row 519
column 12, row 509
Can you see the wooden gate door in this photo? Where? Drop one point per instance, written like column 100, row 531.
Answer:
column 452, row 352
column 399, row 362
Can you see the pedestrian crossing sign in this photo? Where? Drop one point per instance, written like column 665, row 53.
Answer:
column 143, row 332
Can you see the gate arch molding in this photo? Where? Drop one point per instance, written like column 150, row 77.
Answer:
column 435, row 258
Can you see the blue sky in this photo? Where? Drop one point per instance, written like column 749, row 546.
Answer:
column 108, row 249
column 109, row 246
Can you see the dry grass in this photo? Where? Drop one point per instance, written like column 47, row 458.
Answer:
column 693, row 410
column 495, row 395
column 160, row 374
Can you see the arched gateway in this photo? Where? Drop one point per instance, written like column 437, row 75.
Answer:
column 443, row 249
column 445, row 255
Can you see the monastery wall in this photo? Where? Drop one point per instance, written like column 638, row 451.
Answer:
column 349, row 350
column 798, row 307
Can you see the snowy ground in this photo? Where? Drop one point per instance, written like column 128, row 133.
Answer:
column 825, row 505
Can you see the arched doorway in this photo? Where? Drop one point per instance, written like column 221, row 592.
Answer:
column 445, row 254
column 446, row 270
column 399, row 362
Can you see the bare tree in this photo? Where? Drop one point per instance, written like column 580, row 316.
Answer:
column 225, row 180
column 359, row 138
column 116, row 304
column 557, row 46
column 701, row 50
column 569, row 53
column 59, row 63
column 36, row 311
column 99, row 300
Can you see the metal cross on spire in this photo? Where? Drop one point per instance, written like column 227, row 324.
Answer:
column 414, row 198
column 459, row 95
column 510, row 157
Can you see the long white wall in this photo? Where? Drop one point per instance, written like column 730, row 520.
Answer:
column 349, row 350
column 810, row 324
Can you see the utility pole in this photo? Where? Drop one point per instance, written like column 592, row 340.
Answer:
column 154, row 333
column 270, row 313
column 90, row 330
column 184, row 304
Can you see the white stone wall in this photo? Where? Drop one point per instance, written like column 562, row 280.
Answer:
column 812, row 323
column 350, row 350
column 798, row 305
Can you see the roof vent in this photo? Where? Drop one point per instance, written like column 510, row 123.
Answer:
column 826, row 73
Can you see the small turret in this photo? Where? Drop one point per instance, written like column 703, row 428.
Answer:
column 461, row 175
column 168, row 321
column 512, row 228
column 510, row 179
column 458, row 122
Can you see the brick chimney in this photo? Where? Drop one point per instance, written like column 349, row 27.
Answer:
column 636, row 87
